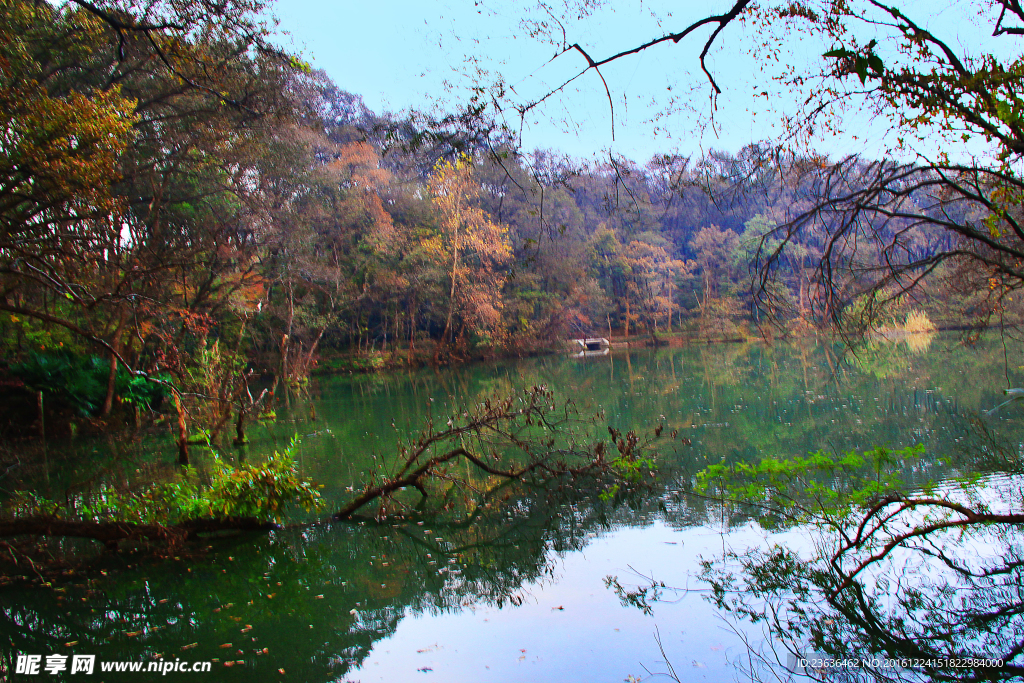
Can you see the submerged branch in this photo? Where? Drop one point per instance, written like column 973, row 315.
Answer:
column 487, row 438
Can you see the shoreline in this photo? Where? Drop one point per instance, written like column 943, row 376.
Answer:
column 362, row 363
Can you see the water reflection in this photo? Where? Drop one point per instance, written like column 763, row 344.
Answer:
column 318, row 599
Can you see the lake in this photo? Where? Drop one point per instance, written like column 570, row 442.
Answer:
column 520, row 592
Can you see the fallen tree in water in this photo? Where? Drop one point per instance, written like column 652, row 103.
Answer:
column 500, row 440
column 475, row 461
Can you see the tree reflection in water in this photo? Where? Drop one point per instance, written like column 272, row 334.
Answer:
column 312, row 602
column 925, row 582
column 937, row 602
column 730, row 404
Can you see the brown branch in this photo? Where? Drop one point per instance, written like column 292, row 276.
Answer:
column 504, row 419
column 607, row 90
column 967, row 517
column 415, row 478
column 721, row 19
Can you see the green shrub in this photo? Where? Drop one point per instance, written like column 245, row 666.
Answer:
column 262, row 491
column 80, row 382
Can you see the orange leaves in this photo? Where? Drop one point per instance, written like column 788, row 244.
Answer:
column 357, row 163
column 356, row 168
column 59, row 146
column 247, row 291
column 468, row 245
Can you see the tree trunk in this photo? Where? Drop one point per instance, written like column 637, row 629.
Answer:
column 670, row 301
column 42, row 417
column 288, row 335
column 240, row 427
column 110, row 533
column 182, row 431
column 451, row 297
column 108, row 400
column 412, row 329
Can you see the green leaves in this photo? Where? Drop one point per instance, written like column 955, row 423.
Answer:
column 80, row 382
column 262, row 491
column 818, row 487
column 862, row 64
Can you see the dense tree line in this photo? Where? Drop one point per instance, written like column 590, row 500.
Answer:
column 185, row 208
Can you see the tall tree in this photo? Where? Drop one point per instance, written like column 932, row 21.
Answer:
column 473, row 249
column 130, row 205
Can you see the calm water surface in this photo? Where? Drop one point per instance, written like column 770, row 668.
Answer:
column 517, row 594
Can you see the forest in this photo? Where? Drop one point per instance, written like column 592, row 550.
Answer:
column 197, row 226
column 186, row 210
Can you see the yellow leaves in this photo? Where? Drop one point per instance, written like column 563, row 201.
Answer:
column 993, row 223
column 469, row 245
column 66, row 148
column 464, row 226
column 299, row 65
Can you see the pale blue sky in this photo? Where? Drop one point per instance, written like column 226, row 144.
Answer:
column 401, row 54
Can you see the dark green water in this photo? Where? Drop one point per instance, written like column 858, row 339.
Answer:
column 516, row 594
